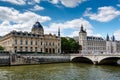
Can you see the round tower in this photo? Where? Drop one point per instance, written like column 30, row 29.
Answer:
column 83, row 39
column 114, row 45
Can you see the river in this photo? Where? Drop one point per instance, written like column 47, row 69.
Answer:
column 60, row 71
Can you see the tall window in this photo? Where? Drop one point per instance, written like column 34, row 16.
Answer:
column 41, row 43
column 26, row 42
column 53, row 43
column 35, row 49
column 15, row 48
column 46, row 50
column 21, row 41
column 50, row 50
column 58, row 50
column 26, row 48
column 21, row 48
column 15, row 41
column 36, row 43
column 41, row 49
column 31, row 49
column 53, row 50
column 31, row 42
column 49, row 44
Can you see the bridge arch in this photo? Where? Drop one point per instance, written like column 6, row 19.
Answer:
column 109, row 61
column 82, row 60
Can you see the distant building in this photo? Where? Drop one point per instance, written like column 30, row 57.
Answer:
column 76, row 38
column 91, row 44
column 35, row 41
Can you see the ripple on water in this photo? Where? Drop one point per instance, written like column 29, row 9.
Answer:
column 62, row 71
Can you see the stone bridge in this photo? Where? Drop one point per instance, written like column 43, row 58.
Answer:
column 96, row 58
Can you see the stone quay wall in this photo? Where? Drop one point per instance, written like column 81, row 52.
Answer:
column 23, row 59
column 4, row 59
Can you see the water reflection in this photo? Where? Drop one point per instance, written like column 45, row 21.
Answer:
column 63, row 71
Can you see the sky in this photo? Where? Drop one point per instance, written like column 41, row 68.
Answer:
column 99, row 17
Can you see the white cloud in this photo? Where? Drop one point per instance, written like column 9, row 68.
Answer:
column 14, row 20
column 37, row 1
column 71, row 3
column 11, row 14
column 73, row 34
column 32, row 2
column 37, row 7
column 53, row 1
column 22, row 2
column 104, row 14
column 117, row 34
column 74, row 24
column 67, row 3
column 18, row 2
column 118, row 5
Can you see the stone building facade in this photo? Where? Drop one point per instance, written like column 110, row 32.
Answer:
column 34, row 41
column 97, row 45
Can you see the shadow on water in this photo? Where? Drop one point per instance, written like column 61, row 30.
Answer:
column 82, row 60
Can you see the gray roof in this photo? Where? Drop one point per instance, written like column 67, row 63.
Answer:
column 20, row 33
column 94, row 38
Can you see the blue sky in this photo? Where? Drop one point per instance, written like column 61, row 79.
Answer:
column 99, row 17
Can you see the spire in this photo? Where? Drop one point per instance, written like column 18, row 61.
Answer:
column 81, row 27
column 107, row 38
column 59, row 31
column 113, row 38
column 82, row 30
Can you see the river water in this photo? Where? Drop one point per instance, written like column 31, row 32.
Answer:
column 61, row 71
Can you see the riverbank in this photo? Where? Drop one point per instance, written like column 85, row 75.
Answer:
column 33, row 59
column 30, row 59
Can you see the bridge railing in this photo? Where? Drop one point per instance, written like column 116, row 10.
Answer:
column 86, row 54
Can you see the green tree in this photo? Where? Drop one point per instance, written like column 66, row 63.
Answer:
column 1, row 48
column 69, row 45
column 65, row 46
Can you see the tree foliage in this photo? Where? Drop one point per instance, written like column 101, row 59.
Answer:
column 1, row 48
column 69, row 45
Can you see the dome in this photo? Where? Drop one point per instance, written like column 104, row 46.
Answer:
column 37, row 28
column 37, row 25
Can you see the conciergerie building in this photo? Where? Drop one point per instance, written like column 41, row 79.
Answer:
column 34, row 41
column 96, row 45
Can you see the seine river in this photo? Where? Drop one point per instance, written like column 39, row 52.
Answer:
column 61, row 71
